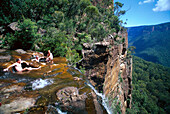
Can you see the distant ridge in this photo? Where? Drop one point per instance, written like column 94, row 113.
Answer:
column 147, row 25
column 152, row 42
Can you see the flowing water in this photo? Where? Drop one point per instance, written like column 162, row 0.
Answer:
column 55, row 88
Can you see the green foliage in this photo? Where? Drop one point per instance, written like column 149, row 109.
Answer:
column 54, row 40
column 115, row 104
column 9, row 40
column 123, row 40
column 24, row 37
column 80, row 40
column 68, row 24
column 58, row 16
column 150, row 87
column 152, row 42
column 99, row 32
column 83, row 5
column 72, row 56
column 117, row 9
column 92, row 12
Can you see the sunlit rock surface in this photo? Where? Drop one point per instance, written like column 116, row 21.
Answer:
column 41, row 91
column 70, row 98
column 109, row 69
column 17, row 104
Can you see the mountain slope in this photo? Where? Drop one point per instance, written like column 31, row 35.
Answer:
column 151, row 85
column 152, row 42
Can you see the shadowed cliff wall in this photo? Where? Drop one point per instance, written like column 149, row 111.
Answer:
column 109, row 69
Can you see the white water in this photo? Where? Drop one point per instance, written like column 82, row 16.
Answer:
column 57, row 109
column 104, row 100
column 60, row 112
column 40, row 83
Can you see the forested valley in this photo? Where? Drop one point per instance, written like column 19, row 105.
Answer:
column 62, row 26
column 151, row 84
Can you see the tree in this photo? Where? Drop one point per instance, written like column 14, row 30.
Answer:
column 92, row 12
column 117, row 9
column 55, row 40
column 25, row 36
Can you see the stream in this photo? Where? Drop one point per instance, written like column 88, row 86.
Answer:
column 54, row 89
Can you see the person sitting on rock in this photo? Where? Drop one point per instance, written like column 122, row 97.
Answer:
column 18, row 66
column 49, row 57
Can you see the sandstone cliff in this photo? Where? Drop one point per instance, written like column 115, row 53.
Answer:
column 109, row 70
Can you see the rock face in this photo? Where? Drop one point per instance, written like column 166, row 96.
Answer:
column 70, row 98
column 14, row 26
column 4, row 57
column 109, row 69
column 17, row 105
column 21, row 51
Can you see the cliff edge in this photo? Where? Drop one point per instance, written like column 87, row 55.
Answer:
column 109, row 69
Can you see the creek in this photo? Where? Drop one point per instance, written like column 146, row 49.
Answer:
column 55, row 88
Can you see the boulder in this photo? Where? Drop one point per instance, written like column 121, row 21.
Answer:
column 14, row 26
column 12, row 89
column 2, row 50
column 70, row 97
column 21, row 51
column 5, row 58
column 87, row 45
column 18, row 104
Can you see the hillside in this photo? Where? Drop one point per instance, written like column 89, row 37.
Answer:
column 152, row 42
column 150, row 87
column 60, row 26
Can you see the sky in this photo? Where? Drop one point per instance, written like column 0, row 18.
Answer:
column 145, row 12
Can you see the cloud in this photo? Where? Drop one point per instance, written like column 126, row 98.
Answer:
column 148, row 1
column 145, row 1
column 140, row 3
column 162, row 5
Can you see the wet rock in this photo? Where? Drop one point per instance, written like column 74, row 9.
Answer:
column 34, row 64
column 103, row 43
column 87, row 45
column 97, row 105
column 69, row 96
column 2, row 50
column 11, row 89
column 42, row 101
column 18, row 104
column 21, row 51
column 5, row 58
column 59, row 60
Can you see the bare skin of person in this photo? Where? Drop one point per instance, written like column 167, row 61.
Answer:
column 37, row 58
column 19, row 68
column 49, row 56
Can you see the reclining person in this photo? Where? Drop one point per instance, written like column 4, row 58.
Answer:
column 38, row 59
column 18, row 66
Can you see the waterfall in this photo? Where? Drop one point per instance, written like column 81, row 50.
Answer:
column 104, row 100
